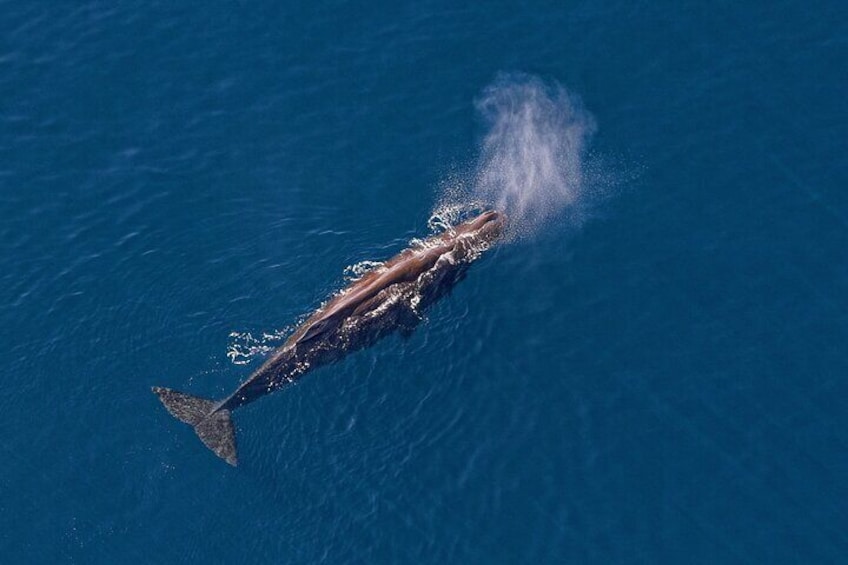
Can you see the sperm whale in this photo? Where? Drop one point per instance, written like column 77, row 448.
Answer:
column 387, row 299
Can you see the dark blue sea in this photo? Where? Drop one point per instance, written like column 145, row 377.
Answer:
column 656, row 373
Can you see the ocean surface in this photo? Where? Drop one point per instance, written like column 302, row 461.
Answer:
column 661, row 378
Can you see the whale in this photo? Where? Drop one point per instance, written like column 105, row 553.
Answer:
column 389, row 298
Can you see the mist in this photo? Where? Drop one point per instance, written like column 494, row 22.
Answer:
column 532, row 158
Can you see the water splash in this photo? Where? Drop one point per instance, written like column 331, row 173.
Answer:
column 359, row 270
column 532, row 163
column 244, row 347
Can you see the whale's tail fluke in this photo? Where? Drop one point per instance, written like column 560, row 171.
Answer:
column 213, row 427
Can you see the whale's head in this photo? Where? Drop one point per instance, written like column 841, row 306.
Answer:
column 484, row 229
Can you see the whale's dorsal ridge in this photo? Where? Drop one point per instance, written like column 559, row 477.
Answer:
column 318, row 329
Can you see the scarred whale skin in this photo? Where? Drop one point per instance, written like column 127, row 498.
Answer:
column 388, row 298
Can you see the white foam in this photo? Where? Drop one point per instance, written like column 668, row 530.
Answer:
column 245, row 347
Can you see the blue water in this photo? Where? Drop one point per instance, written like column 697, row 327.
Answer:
column 665, row 382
